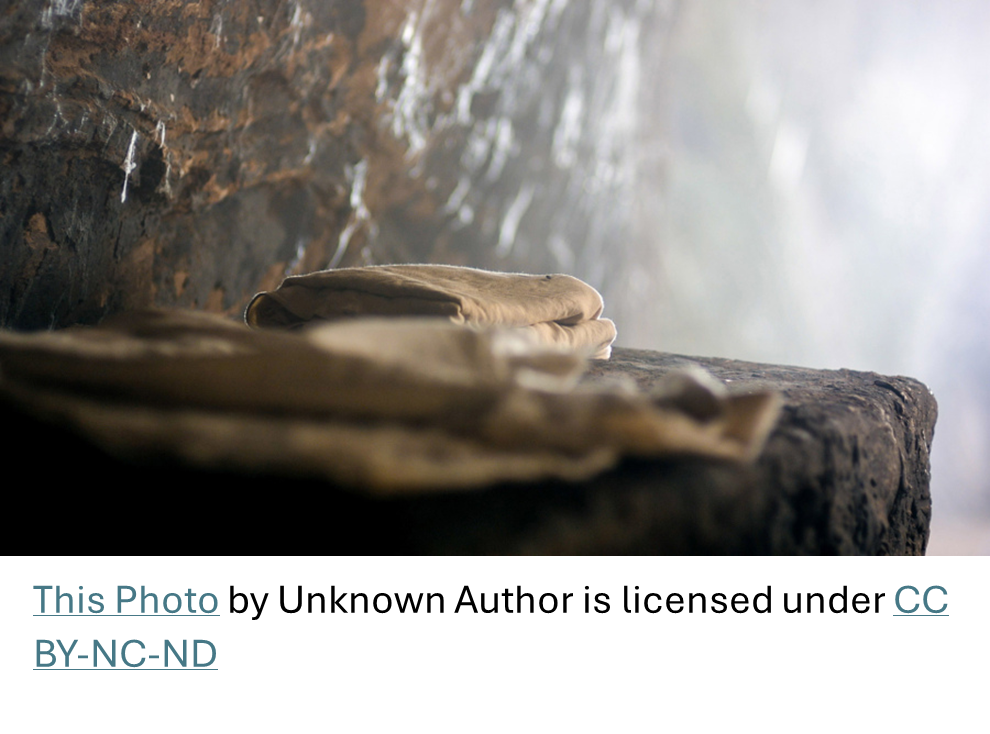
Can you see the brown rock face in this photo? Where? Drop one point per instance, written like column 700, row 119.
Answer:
column 190, row 154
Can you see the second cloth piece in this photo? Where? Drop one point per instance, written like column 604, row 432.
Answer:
column 557, row 309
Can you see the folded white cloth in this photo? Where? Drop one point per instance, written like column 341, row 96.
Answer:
column 382, row 405
column 558, row 309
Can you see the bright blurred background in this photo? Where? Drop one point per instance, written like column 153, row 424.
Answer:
column 827, row 177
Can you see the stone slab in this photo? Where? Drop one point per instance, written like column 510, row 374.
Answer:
column 846, row 471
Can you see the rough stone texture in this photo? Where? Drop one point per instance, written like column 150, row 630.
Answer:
column 845, row 472
column 192, row 153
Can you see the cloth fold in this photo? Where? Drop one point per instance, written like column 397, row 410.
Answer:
column 558, row 309
column 382, row 405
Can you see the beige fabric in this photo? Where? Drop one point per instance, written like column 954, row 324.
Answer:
column 382, row 405
column 372, row 368
column 558, row 309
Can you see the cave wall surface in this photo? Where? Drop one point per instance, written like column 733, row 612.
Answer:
column 189, row 154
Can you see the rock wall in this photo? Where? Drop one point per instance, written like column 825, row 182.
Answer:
column 190, row 154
